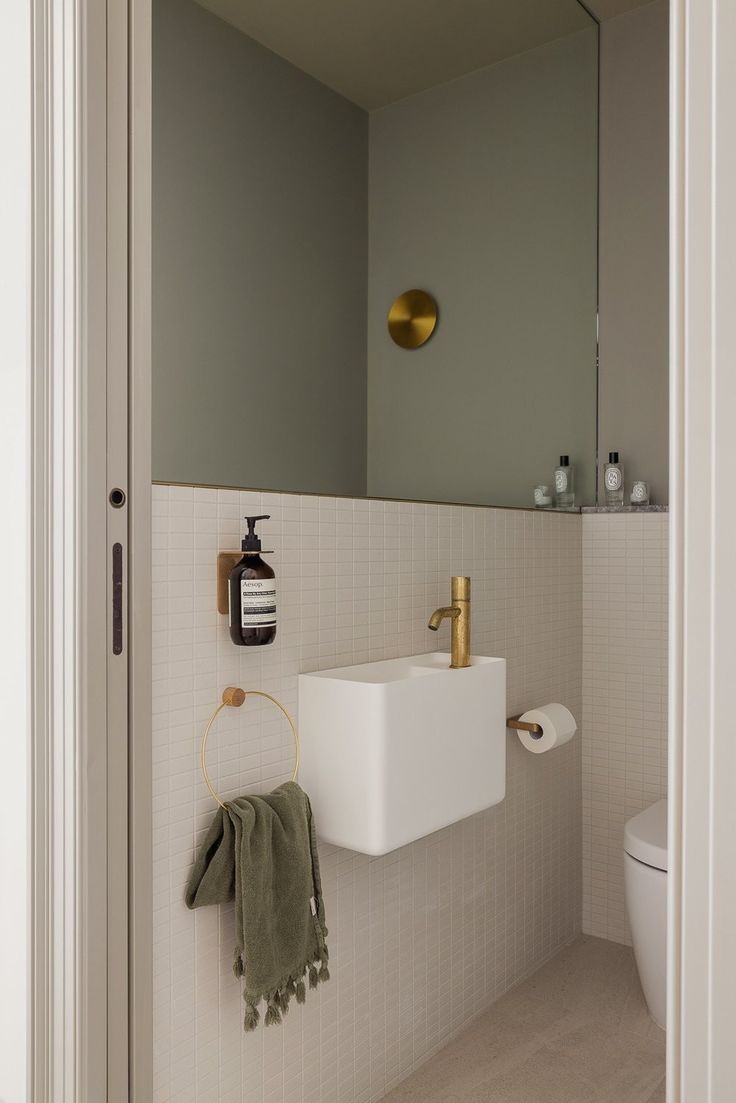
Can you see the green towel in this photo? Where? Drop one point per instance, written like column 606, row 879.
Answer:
column 262, row 852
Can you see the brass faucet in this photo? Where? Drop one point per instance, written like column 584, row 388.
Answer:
column 459, row 612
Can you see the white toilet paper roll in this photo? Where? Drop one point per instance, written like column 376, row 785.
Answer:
column 558, row 725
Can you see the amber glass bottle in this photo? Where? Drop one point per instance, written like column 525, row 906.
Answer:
column 252, row 593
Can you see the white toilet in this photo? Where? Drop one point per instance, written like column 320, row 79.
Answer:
column 645, row 879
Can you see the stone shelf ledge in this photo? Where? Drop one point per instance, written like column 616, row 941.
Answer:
column 625, row 509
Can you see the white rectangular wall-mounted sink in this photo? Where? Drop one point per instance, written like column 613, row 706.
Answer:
column 394, row 750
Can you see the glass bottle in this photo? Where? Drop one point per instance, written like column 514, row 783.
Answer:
column 640, row 493
column 564, row 485
column 614, row 481
column 252, row 593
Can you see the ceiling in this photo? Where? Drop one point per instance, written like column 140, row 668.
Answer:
column 375, row 52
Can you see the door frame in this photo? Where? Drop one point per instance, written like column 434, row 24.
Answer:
column 90, row 897
column 68, row 598
column 702, row 748
column 82, row 108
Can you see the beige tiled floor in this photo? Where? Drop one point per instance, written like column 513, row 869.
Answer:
column 577, row 1031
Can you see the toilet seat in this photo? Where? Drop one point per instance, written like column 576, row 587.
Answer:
column 645, row 836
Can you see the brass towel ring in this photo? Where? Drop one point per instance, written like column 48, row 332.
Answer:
column 234, row 697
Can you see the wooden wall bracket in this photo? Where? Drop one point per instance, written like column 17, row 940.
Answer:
column 225, row 562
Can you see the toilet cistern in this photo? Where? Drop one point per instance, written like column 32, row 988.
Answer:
column 459, row 612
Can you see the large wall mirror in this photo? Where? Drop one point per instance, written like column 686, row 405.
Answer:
column 312, row 162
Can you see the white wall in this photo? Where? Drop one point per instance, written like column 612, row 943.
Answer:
column 421, row 939
column 624, row 737
column 15, row 190
column 625, row 556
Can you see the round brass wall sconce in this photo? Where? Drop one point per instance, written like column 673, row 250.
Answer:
column 412, row 319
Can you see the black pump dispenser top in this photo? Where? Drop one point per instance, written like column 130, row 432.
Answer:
column 564, row 461
column 250, row 541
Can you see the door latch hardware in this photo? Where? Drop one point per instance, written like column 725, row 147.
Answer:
column 117, row 599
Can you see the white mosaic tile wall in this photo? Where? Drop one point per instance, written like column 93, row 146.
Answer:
column 424, row 938
column 624, row 698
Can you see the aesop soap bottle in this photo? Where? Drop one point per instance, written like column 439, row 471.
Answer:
column 252, row 593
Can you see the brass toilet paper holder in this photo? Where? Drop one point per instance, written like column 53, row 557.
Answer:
column 522, row 725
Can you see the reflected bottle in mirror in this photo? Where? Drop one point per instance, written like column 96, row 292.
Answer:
column 614, row 480
column 564, row 485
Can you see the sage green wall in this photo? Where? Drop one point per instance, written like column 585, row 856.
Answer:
column 259, row 265
column 483, row 192
column 634, row 258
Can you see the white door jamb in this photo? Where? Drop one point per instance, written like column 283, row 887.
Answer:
column 702, row 842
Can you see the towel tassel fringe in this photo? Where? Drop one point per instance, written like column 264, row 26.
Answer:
column 252, row 1017
column 294, row 986
column 273, row 1014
